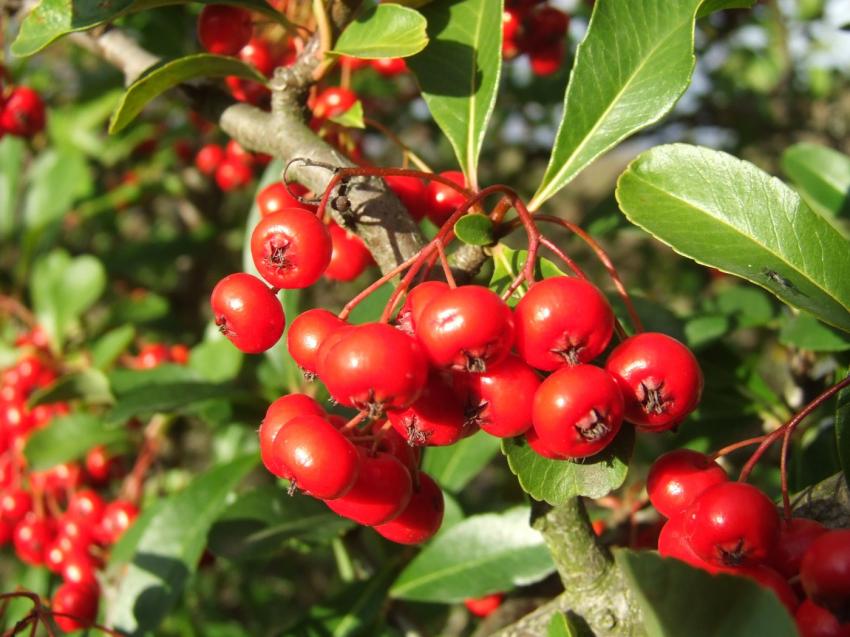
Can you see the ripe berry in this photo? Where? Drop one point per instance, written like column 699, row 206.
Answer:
column 795, row 537
column 673, row 542
column 416, row 301
column 436, row 418
column 562, row 321
column 540, row 447
column 374, row 366
column 412, row 193
column 678, row 477
column 280, row 412
column 443, row 200
column 117, row 518
column 502, row 398
column 291, row 248
column 307, row 333
column 732, row 524
column 768, row 578
column 825, row 572
column 275, row 198
column 547, row 60
column 333, row 101
column 23, row 113
column 422, row 518
column 578, row 411
column 31, row 537
column 100, row 465
column 466, row 329
column 511, row 23
column 382, row 491
column 87, row 507
column 247, row 312
column 257, row 54
column 815, row 621
column 78, row 568
column 74, row 606
column 223, row 29
column 349, row 255
column 393, row 443
column 321, row 460
column 232, row 174
column 208, row 158
column 660, row 379
column 483, row 606
column 389, row 67
column 14, row 505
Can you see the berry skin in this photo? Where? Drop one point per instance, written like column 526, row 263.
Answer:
column 87, row 507
column 412, row 193
column 291, row 248
column 673, row 542
column 547, row 61
column 14, row 505
column 436, row 418
column 278, row 414
column 247, row 312
column 333, row 101
column 442, row 200
column 795, row 537
column 389, row 67
column 825, row 572
column 422, row 518
column 678, row 477
column 732, row 524
column 257, row 54
column 100, row 465
column 23, row 113
column 349, row 255
column 540, row 447
column 223, row 29
column 815, row 621
column 578, row 411
column 374, row 366
column 393, row 443
column 275, row 198
column 307, row 333
column 502, row 398
column 208, row 158
column 466, row 329
column 562, row 321
column 78, row 568
column 31, row 538
column 660, row 379
column 381, row 493
column 232, row 174
column 74, row 606
column 415, row 302
column 321, row 460
column 118, row 516
column 484, row 606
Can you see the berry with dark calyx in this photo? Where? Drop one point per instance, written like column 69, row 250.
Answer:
column 74, row 606
column 815, row 621
column 660, row 379
column 381, row 493
column 578, row 411
column 118, row 516
column 562, row 321
column 678, row 477
column 280, row 412
column 349, row 255
column 23, row 112
column 443, row 200
column 436, row 418
column 484, row 606
column 466, row 329
column 374, row 366
column 275, row 198
column 415, row 302
column 291, row 248
column 502, row 398
column 412, row 192
column 825, row 573
column 208, row 158
column 422, row 517
column 307, row 333
column 320, row 459
column 795, row 537
column 333, row 101
column 31, row 537
column 540, row 447
column 673, row 542
column 232, row 174
column 732, row 524
column 247, row 312
column 223, row 29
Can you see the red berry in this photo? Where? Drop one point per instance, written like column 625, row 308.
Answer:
column 76, row 532
column 412, row 193
column 547, row 60
column 151, row 355
column 223, row 29
column 511, row 23
column 768, row 578
column 416, row 301
column 795, row 537
column 578, row 411
column 87, row 507
column 55, row 553
column 389, row 67
column 320, row 459
column 732, row 524
column 815, row 621
column 258, row 54
column 483, row 606
column 233, row 150
column 443, row 200
column 562, row 321
column 100, row 465
column 540, row 447
column 118, row 516
column 333, row 101
column 422, row 518
column 381, row 493
column 436, row 418
column 393, row 443
column 544, row 27
column 209, row 158
column 825, row 572
column 78, row 568
column 307, row 333
column 179, row 354
column 349, row 255
column 23, row 113
column 31, row 537
column 660, row 379
column 275, row 198
column 247, row 312
column 466, row 329
column 678, row 477
column 280, row 412
column 673, row 542
column 232, row 174
column 14, row 505
column 502, row 398
column 74, row 606
column 291, row 248
column 374, row 366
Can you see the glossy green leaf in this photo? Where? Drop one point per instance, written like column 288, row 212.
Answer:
column 12, row 151
column 556, row 481
column 805, row 332
column 151, row 398
column 352, row 117
column 634, row 63
column 666, row 590
column 168, row 549
column 383, row 31
column 165, row 76
column 507, row 263
column 560, row 626
column 215, row 358
column 68, row 438
column 459, row 71
column 481, row 555
column 89, row 385
column 710, row 6
column 821, row 175
column 106, row 350
column 455, row 465
column 475, row 229
column 842, row 432
column 728, row 214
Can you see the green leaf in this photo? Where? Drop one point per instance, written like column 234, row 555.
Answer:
column 701, row 330
column 710, row 6
column 459, row 71
column 454, row 466
column 560, row 626
column 483, row 554
column 216, row 359
column 352, row 117
column 106, row 350
column 384, row 31
column 749, row 306
column 842, row 431
column 68, row 438
column 728, row 214
column 556, row 481
column 167, row 75
column 666, row 590
column 58, row 178
column 475, row 229
column 62, row 288
column 11, row 167
column 89, row 385
column 507, row 263
column 634, row 63
column 805, row 332
column 151, row 398
column 168, row 548
column 260, row 522
column 821, row 175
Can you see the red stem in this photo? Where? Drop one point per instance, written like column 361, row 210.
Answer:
column 737, row 445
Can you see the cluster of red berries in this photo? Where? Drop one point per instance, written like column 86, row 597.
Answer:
column 22, row 111
column 733, row 527
column 232, row 166
column 537, row 29
column 153, row 355
column 388, row 67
